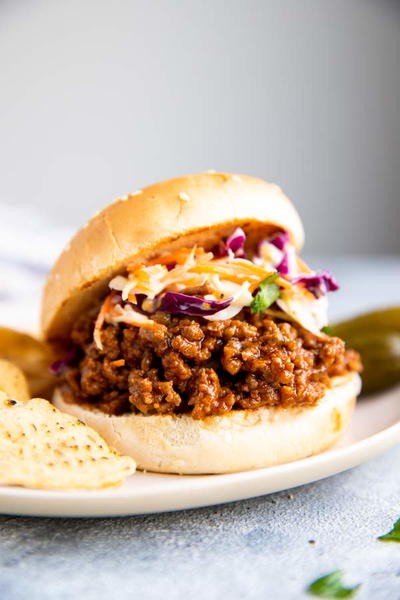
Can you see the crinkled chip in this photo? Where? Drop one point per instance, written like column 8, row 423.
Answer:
column 12, row 381
column 41, row 447
column 33, row 356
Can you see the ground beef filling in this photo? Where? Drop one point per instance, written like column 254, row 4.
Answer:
column 201, row 367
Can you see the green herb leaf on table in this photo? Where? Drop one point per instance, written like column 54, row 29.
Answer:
column 331, row 586
column 393, row 535
column 267, row 294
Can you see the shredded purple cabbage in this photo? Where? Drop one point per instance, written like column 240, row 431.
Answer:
column 57, row 367
column 280, row 240
column 235, row 242
column 319, row 284
column 176, row 303
column 283, row 267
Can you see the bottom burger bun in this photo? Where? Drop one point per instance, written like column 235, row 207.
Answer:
column 237, row 441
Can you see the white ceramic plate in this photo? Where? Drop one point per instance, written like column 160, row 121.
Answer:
column 375, row 428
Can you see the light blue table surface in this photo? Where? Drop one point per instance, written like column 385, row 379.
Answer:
column 256, row 549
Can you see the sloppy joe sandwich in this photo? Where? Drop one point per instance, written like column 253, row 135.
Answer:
column 191, row 333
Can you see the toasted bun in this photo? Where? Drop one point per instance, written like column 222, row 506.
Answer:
column 238, row 441
column 179, row 212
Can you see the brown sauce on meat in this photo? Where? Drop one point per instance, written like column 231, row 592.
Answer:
column 203, row 367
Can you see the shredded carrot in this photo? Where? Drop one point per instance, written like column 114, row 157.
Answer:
column 237, row 273
column 250, row 267
column 149, row 324
column 215, row 268
column 280, row 281
column 144, row 274
column 118, row 363
column 283, row 283
column 193, row 281
column 228, row 276
column 302, row 265
column 178, row 257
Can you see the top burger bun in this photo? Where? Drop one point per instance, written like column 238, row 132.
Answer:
column 178, row 212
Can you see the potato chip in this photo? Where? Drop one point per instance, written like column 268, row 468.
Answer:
column 32, row 356
column 41, row 447
column 12, row 381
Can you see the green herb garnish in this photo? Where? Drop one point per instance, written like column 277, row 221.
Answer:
column 268, row 293
column 393, row 535
column 331, row 586
column 328, row 330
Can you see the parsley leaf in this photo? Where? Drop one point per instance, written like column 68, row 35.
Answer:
column 328, row 330
column 268, row 293
column 393, row 535
column 330, row 586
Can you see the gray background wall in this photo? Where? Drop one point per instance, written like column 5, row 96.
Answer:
column 98, row 98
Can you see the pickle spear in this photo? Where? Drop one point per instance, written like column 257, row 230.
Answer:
column 376, row 336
